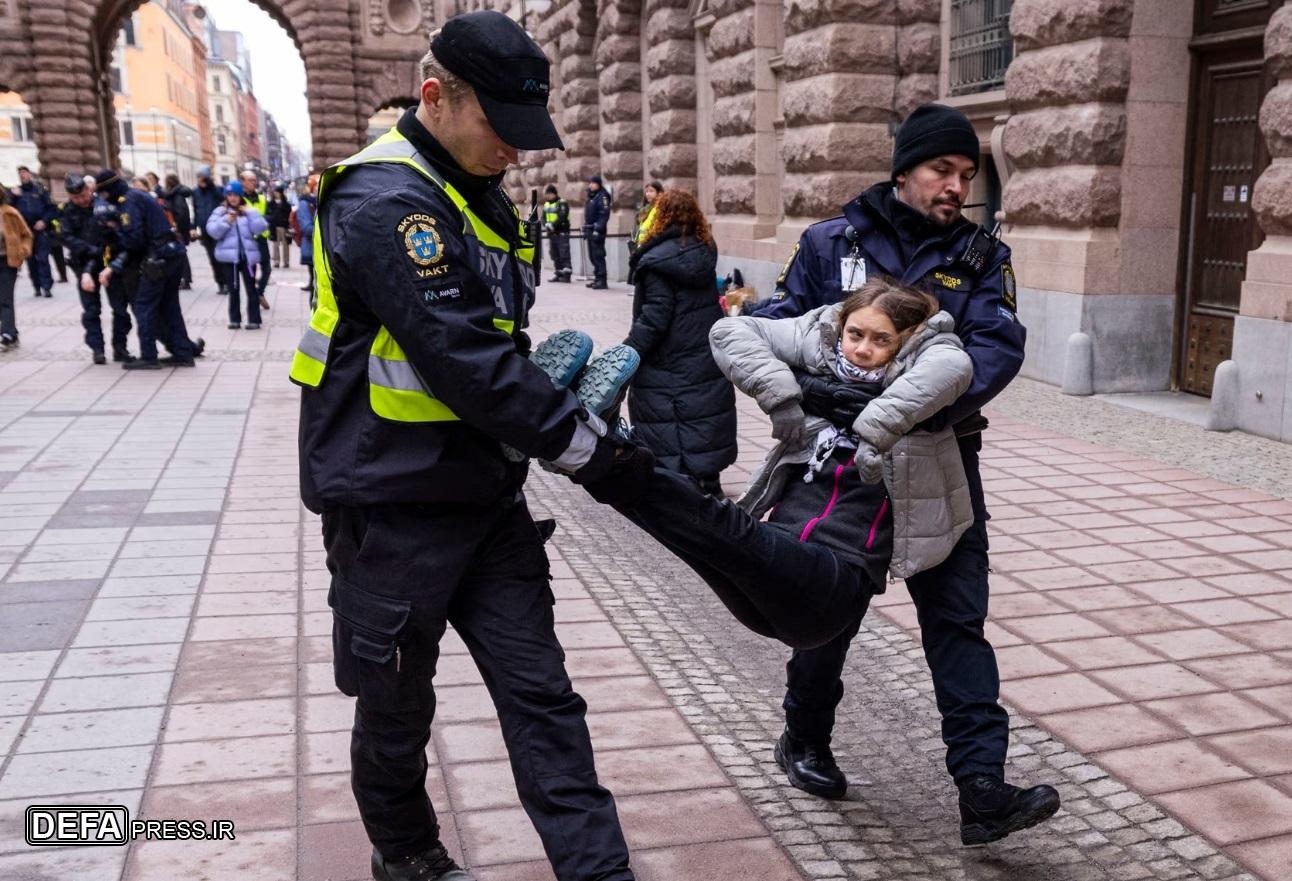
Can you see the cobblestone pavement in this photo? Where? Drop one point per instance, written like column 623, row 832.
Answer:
column 165, row 646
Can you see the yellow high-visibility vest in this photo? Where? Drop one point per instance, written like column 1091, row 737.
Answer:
column 645, row 225
column 395, row 390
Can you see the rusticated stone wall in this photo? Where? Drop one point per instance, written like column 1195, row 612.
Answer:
column 730, row 50
column 670, row 93
column 619, row 83
column 1272, row 196
column 840, row 80
column 567, row 34
column 919, row 54
column 56, row 52
column 1067, row 87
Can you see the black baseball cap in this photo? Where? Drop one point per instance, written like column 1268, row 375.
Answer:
column 507, row 70
column 74, row 182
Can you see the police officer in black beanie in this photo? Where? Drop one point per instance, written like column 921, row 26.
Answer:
column 911, row 229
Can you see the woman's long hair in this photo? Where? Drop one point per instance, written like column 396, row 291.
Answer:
column 679, row 208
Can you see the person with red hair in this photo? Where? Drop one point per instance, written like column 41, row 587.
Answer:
column 680, row 404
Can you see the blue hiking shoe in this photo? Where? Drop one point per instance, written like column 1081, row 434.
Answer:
column 604, row 381
column 562, row 355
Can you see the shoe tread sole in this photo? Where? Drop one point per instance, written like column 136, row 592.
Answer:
column 605, row 380
column 562, row 355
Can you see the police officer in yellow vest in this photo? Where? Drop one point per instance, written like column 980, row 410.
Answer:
column 556, row 226
column 414, row 381
column 256, row 199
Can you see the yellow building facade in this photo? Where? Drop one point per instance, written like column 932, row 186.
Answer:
column 158, row 74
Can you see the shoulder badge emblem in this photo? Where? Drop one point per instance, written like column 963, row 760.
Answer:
column 421, row 239
column 1010, row 293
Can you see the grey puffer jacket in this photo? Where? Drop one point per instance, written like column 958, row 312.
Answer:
column 923, row 471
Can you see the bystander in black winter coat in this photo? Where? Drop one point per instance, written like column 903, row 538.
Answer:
column 680, row 404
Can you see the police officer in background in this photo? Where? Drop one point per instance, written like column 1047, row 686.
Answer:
column 33, row 203
column 87, row 239
column 256, row 199
column 911, row 229
column 414, row 377
column 146, row 266
column 556, row 226
column 596, row 217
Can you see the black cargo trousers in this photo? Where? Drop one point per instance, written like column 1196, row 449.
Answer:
column 399, row 575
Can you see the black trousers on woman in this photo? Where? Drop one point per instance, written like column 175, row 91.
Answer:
column 233, row 272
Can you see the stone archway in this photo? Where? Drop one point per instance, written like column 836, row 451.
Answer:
column 355, row 52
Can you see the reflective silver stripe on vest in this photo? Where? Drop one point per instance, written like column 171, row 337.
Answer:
column 314, row 344
column 399, row 375
column 401, row 149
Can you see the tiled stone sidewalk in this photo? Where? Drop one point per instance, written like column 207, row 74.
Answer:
column 166, row 643
column 164, row 646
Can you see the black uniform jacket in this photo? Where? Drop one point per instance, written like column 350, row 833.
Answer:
column 444, row 323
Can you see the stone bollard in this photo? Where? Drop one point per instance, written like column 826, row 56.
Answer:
column 1223, row 415
column 1079, row 365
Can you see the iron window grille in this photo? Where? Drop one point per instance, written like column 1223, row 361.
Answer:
column 981, row 47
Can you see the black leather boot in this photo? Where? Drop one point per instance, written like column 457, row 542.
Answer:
column 810, row 767
column 434, row 864
column 990, row 808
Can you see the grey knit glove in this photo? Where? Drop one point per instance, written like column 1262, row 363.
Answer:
column 869, row 462
column 788, row 423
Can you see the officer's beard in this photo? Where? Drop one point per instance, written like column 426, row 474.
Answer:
column 940, row 217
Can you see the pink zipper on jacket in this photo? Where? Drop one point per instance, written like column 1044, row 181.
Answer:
column 874, row 526
column 829, row 506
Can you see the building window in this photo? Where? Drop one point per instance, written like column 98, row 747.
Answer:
column 219, row 113
column 21, row 128
column 128, row 31
column 221, row 146
column 118, row 85
column 127, row 133
column 215, row 84
column 981, row 47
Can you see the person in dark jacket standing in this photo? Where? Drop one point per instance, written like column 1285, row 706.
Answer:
column 87, row 239
column 207, row 196
column 307, row 208
column 680, row 404
column 596, row 217
column 556, row 226
column 414, row 377
column 147, row 256
column 175, row 196
column 33, row 203
column 278, row 214
column 911, row 229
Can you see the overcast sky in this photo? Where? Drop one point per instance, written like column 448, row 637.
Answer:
column 277, row 72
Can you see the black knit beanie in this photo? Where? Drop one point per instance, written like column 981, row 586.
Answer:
column 933, row 130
